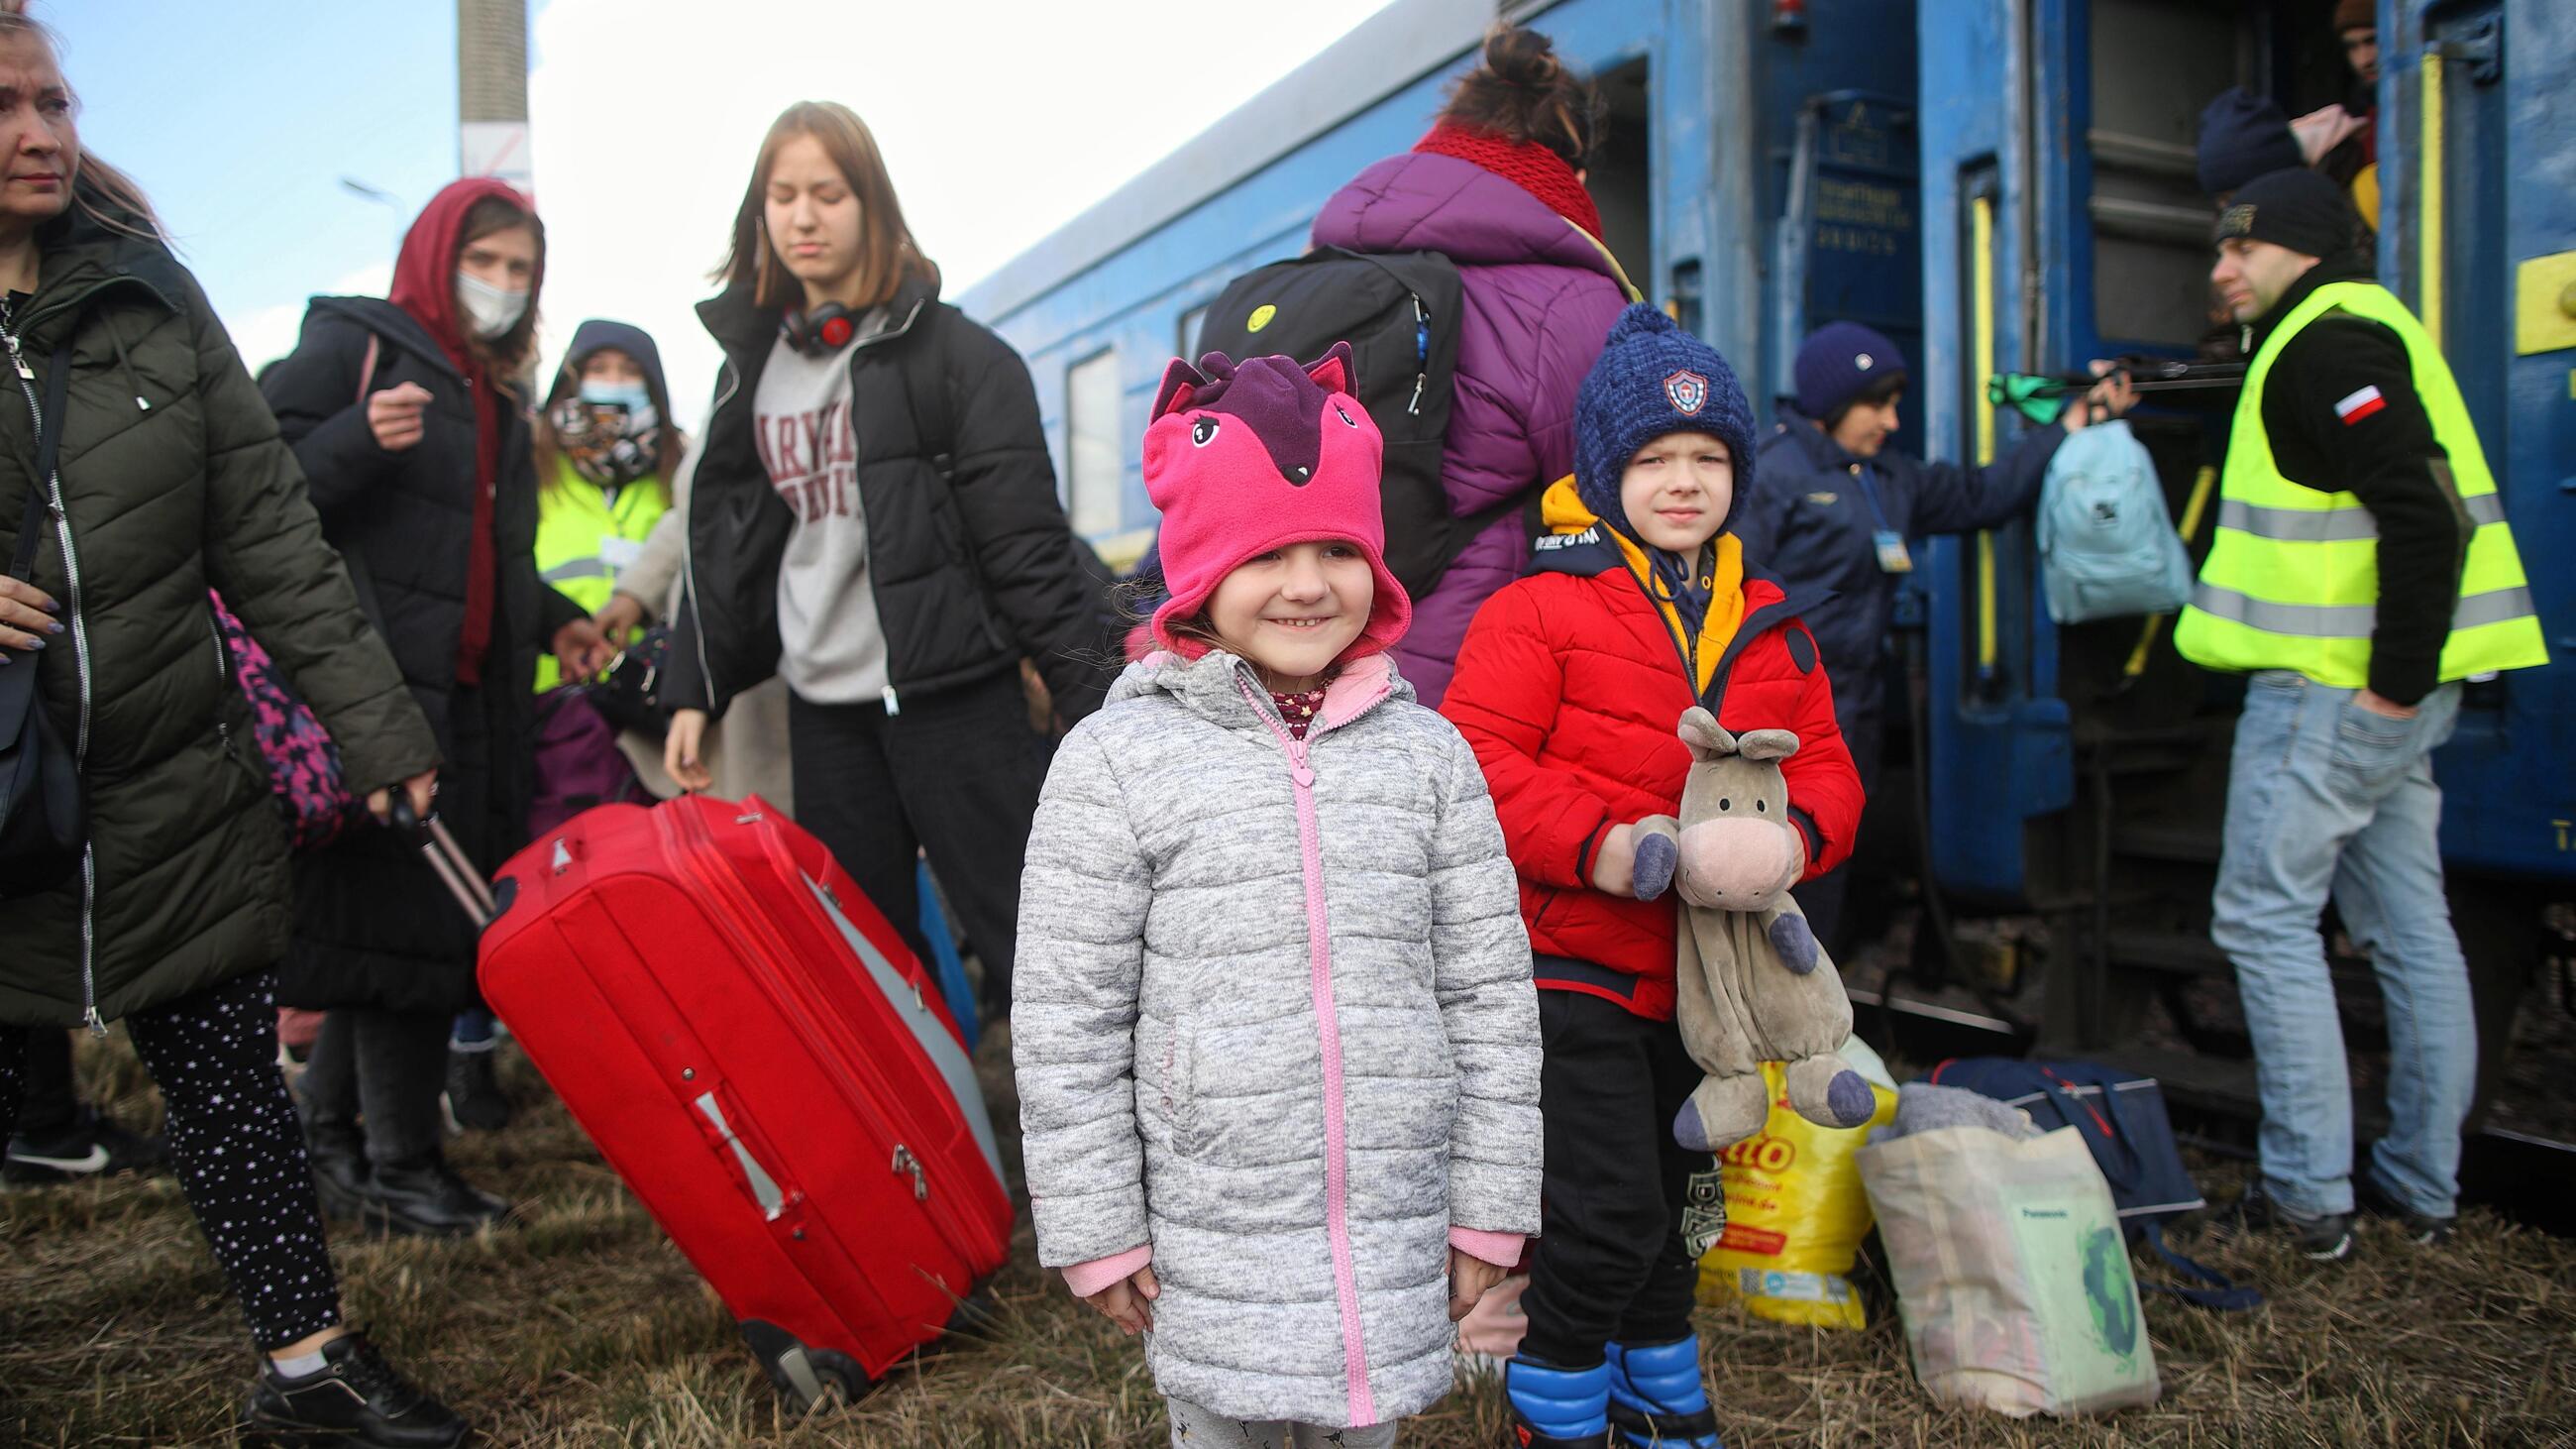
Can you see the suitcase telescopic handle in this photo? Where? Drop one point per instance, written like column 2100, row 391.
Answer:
column 473, row 894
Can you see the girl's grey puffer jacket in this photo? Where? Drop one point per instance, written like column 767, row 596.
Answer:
column 1273, row 1017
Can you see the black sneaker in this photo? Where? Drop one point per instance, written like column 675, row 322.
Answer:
column 2422, row 1229
column 428, row 1199
column 474, row 1100
column 355, row 1398
column 91, row 1146
column 2325, row 1239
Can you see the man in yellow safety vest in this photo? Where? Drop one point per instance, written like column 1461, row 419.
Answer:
column 2362, row 568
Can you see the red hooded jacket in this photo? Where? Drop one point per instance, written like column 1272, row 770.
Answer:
column 425, row 286
column 1570, row 687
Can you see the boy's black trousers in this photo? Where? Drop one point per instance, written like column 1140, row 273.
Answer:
column 1625, row 1209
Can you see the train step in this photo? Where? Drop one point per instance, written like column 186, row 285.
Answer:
column 2180, row 953
column 2191, row 953
column 2187, row 843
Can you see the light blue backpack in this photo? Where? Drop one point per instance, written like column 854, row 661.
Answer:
column 2107, row 547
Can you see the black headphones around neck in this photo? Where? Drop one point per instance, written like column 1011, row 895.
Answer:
column 819, row 333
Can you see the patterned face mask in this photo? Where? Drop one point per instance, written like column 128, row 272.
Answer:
column 611, row 434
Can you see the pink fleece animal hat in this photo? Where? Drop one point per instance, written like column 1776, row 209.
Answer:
column 1247, row 457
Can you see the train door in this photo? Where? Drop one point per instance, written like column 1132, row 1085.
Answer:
column 2077, row 773
column 2066, row 224
column 2478, row 233
column 2477, row 237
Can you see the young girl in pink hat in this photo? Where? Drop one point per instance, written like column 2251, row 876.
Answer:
column 1276, row 1040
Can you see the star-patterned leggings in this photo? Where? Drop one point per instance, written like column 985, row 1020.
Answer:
column 236, row 1146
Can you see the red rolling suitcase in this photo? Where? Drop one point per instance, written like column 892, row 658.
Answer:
column 759, row 1056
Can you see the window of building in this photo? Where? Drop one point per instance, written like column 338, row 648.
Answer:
column 1186, row 342
column 1095, row 453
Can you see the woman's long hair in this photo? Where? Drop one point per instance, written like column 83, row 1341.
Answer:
column 888, row 254
column 100, row 191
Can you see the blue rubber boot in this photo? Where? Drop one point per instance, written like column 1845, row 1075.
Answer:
column 1554, row 1408
column 1657, row 1397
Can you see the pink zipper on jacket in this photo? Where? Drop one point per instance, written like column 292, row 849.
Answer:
column 1328, row 1030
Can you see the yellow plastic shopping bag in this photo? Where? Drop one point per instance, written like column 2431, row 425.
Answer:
column 1795, row 1211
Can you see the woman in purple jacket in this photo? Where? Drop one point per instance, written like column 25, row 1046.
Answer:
column 1497, row 187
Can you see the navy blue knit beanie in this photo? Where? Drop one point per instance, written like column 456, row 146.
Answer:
column 1838, row 362
column 1653, row 378
column 2243, row 136
column 2295, row 208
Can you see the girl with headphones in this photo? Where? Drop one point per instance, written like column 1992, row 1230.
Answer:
column 872, row 517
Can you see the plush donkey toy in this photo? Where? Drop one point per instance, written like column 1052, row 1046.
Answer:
column 1749, row 988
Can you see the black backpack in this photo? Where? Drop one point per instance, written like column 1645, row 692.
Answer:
column 1399, row 313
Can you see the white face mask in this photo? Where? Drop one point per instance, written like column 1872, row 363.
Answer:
column 491, row 310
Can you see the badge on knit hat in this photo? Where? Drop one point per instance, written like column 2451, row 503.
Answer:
column 1688, row 392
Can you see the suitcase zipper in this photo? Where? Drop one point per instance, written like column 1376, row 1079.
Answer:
column 743, row 921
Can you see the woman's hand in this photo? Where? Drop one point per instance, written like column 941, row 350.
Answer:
column 618, row 617
column 681, row 748
column 2110, row 398
column 1470, row 1278
column 1129, row 1302
column 26, row 617
column 423, row 790
column 394, row 416
column 582, row 650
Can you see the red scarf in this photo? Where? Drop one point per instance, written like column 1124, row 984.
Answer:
column 1526, row 164
column 425, row 286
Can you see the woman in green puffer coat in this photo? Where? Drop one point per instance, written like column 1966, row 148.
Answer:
column 170, row 481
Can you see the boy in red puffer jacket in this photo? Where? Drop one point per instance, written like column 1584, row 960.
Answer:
column 1569, row 687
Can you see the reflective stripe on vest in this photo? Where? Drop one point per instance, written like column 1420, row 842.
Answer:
column 580, row 568
column 2292, row 578
column 2350, row 621
column 2329, row 525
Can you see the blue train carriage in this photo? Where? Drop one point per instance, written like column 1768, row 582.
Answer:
column 2080, row 772
column 1756, row 176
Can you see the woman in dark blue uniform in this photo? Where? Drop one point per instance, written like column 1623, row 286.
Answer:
column 1837, row 510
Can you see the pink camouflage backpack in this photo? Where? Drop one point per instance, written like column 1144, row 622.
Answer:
column 303, row 762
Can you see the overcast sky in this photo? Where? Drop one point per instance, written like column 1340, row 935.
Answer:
column 1000, row 121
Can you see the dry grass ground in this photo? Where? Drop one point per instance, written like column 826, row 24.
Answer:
column 583, row 1327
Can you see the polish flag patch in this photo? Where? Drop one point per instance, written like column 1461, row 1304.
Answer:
column 2360, row 405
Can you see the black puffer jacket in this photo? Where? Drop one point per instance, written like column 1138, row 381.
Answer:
column 373, row 926
column 173, row 480
column 969, row 554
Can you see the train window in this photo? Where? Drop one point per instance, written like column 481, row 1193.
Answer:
column 2155, row 63
column 1095, row 453
column 1185, row 341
